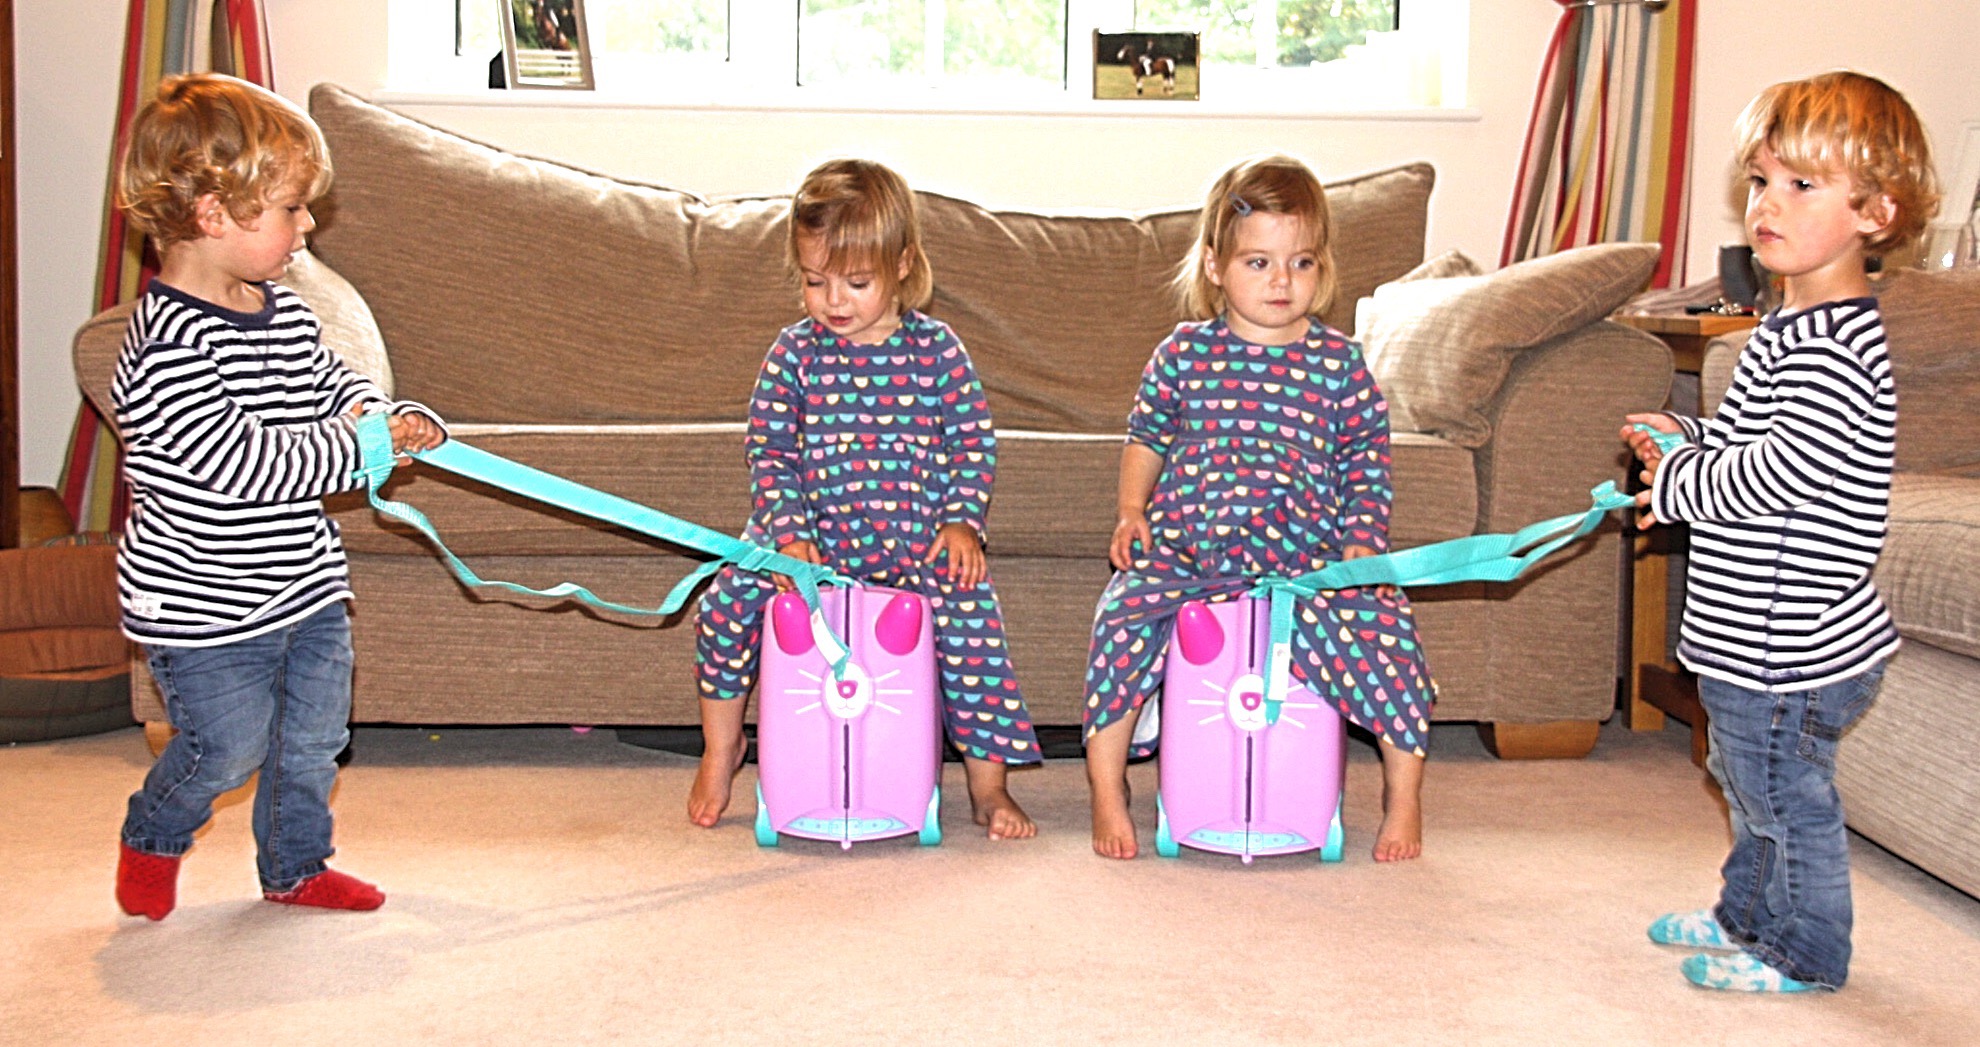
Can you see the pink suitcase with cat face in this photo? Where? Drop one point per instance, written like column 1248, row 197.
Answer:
column 1239, row 774
column 855, row 756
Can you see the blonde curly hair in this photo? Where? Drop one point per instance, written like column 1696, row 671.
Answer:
column 1855, row 124
column 206, row 133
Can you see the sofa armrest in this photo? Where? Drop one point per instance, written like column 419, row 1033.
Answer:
column 94, row 354
column 1716, row 373
column 1927, row 575
column 1555, row 422
column 347, row 326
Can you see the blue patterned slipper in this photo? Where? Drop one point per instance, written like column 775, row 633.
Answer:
column 1696, row 929
column 1739, row 972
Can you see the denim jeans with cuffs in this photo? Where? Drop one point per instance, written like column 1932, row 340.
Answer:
column 1786, row 898
column 278, row 703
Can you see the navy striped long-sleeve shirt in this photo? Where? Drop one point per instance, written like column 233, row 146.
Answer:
column 1787, row 491
column 235, row 426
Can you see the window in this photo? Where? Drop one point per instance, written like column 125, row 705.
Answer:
column 1268, row 33
column 1297, row 55
column 619, row 27
column 987, row 41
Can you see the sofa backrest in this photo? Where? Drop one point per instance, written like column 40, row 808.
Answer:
column 1932, row 326
column 518, row 290
column 1932, row 331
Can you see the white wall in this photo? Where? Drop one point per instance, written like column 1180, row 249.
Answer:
column 68, row 64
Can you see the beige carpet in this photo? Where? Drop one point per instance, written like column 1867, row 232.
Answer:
column 545, row 888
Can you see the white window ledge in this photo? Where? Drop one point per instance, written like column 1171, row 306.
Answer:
column 905, row 104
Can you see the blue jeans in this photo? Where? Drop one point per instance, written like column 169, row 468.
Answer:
column 1786, row 897
column 278, row 703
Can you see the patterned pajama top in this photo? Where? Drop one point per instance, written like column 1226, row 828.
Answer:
column 868, row 451
column 1275, row 460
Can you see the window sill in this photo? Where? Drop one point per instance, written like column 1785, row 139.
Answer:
column 1082, row 108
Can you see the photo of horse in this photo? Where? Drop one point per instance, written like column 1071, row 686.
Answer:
column 1152, row 66
column 544, row 44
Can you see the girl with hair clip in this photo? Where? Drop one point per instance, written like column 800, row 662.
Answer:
column 1258, row 445
column 891, row 488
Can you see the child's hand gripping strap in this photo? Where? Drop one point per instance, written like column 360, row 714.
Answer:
column 376, row 463
column 1475, row 558
column 1666, row 442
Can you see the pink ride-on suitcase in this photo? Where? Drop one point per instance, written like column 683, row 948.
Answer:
column 852, row 757
column 1239, row 776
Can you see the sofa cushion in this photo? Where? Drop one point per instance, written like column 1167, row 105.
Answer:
column 1442, row 267
column 700, row 288
column 1932, row 324
column 1054, row 498
column 1441, row 348
column 1928, row 574
column 695, row 472
column 617, row 302
column 348, row 327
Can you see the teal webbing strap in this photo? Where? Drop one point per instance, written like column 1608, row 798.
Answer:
column 1474, row 558
column 1666, row 442
column 377, row 461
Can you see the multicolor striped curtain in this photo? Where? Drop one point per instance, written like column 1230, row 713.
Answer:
column 159, row 41
column 1608, row 147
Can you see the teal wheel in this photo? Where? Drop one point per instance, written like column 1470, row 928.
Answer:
column 1332, row 851
column 766, row 836
column 931, row 826
column 1165, row 844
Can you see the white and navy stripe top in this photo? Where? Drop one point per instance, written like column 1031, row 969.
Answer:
column 1787, row 491
column 235, row 425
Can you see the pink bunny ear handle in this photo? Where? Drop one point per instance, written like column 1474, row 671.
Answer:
column 790, row 619
column 898, row 625
column 1198, row 633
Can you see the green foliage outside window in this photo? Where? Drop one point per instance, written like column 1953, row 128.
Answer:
column 1309, row 31
column 1022, row 39
column 658, row 26
column 650, row 27
column 1019, row 39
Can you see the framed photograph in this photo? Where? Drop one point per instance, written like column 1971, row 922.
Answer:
column 544, row 44
column 1153, row 66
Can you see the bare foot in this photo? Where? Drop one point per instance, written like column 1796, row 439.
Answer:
column 1001, row 814
column 710, row 795
column 1401, row 835
column 990, row 803
column 1113, row 829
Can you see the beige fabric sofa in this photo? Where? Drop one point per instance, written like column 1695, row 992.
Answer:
column 611, row 331
column 1909, row 771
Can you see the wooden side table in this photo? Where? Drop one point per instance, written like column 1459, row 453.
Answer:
column 1657, row 684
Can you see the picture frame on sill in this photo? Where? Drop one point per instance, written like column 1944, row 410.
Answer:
column 1158, row 67
column 545, row 44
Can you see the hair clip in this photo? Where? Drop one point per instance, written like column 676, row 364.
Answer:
column 1241, row 206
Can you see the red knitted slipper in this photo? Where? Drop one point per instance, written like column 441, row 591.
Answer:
column 147, row 884
column 331, row 889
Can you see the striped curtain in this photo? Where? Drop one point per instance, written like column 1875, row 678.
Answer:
column 1607, row 151
column 159, row 41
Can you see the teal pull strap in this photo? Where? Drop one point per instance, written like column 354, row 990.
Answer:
column 1666, row 442
column 1474, row 558
column 377, row 461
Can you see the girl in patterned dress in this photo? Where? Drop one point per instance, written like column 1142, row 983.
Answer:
column 1258, row 445
column 870, row 449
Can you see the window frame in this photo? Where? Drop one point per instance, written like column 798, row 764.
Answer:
column 760, row 72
